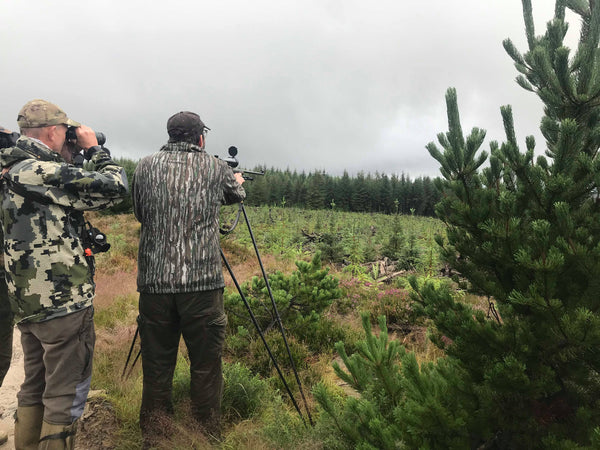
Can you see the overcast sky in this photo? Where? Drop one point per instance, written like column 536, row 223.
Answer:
column 308, row 85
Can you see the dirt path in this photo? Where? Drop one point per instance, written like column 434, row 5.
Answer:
column 8, row 391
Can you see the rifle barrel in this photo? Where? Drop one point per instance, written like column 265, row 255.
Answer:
column 250, row 172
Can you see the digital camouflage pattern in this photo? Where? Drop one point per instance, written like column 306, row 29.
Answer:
column 43, row 199
column 177, row 193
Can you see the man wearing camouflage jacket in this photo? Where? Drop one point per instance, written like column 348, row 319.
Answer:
column 49, row 272
column 177, row 193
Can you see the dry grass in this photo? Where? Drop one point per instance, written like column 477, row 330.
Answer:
column 111, row 284
column 119, row 337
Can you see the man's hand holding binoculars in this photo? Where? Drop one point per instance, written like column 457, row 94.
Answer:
column 86, row 139
column 82, row 138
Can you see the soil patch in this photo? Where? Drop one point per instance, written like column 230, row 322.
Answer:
column 98, row 425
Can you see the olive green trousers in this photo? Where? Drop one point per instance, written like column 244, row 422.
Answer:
column 200, row 318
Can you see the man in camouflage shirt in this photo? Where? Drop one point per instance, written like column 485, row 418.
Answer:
column 49, row 272
column 177, row 193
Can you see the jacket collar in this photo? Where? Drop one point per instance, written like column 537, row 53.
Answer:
column 180, row 147
column 27, row 148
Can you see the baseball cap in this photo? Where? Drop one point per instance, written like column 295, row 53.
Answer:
column 185, row 123
column 40, row 113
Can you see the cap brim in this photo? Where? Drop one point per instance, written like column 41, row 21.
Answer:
column 72, row 123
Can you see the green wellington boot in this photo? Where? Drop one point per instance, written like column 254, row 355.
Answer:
column 57, row 437
column 28, row 425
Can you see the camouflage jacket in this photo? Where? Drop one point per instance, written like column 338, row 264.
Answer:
column 43, row 199
column 177, row 193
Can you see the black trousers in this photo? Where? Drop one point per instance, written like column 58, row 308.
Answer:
column 163, row 319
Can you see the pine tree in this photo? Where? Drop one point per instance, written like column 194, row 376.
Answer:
column 360, row 194
column 315, row 191
column 384, row 194
column 524, row 232
column 344, row 192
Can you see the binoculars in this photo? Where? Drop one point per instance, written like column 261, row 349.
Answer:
column 72, row 136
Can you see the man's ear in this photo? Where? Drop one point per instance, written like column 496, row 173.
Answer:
column 50, row 137
column 49, row 134
column 201, row 141
column 53, row 129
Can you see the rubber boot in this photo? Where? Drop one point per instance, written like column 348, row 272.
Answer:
column 28, row 425
column 57, row 437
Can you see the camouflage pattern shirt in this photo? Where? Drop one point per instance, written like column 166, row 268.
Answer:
column 177, row 193
column 43, row 199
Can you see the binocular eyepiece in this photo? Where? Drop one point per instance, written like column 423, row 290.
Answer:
column 72, row 136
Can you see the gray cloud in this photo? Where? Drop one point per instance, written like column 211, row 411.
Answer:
column 327, row 85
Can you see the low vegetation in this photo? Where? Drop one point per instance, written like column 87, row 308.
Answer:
column 319, row 300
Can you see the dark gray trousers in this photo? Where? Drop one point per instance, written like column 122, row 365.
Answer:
column 58, row 357
column 164, row 318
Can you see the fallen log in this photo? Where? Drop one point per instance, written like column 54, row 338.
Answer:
column 389, row 277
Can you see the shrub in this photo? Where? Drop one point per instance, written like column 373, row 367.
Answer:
column 259, row 361
column 244, row 393
column 395, row 305
column 301, row 299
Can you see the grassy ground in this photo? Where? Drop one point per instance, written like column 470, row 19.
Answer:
column 257, row 412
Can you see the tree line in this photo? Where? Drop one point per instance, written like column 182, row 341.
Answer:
column 378, row 193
